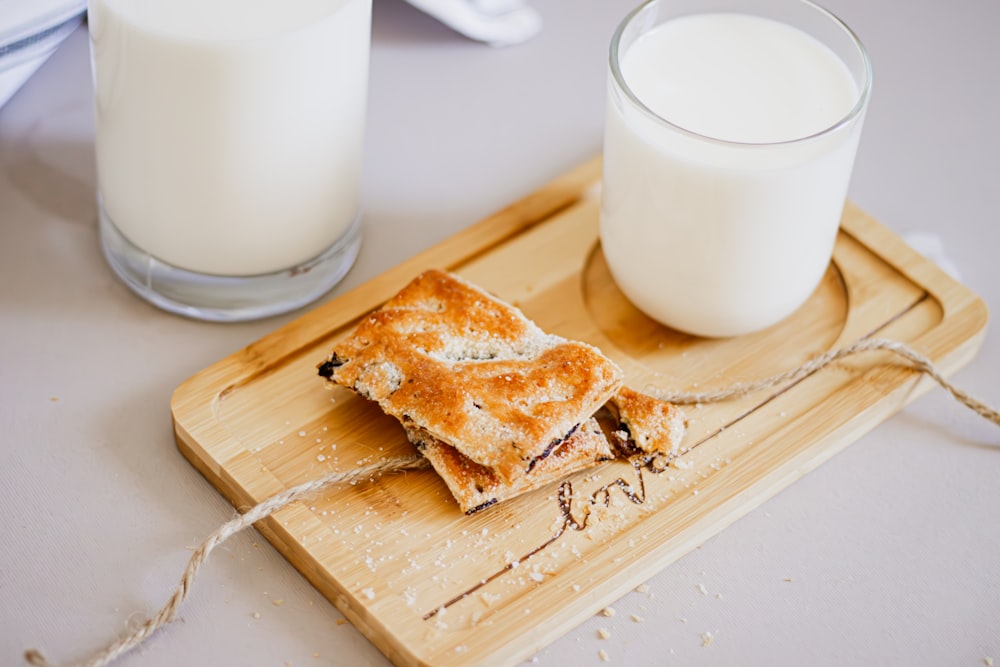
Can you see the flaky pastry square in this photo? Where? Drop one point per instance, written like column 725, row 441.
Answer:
column 450, row 360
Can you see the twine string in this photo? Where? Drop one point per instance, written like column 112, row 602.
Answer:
column 262, row 510
column 916, row 361
column 370, row 473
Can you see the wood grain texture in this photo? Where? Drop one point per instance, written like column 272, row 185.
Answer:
column 431, row 586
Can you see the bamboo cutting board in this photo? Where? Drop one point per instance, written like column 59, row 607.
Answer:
column 431, row 586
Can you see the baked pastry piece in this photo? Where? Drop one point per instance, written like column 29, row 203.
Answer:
column 477, row 487
column 457, row 365
column 498, row 406
column 646, row 425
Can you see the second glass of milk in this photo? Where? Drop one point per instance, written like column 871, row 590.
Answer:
column 731, row 132
column 229, row 143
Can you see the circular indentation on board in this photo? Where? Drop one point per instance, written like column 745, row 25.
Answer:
column 695, row 363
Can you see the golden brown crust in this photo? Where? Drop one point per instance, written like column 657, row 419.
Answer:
column 476, row 487
column 647, row 425
column 446, row 358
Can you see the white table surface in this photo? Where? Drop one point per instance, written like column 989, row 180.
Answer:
column 887, row 554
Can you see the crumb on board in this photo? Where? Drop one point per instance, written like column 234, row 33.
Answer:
column 608, row 612
column 642, row 588
column 341, row 621
column 255, row 616
column 636, row 618
column 277, row 602
column 603, row 633
column 707, row 639
column 603, row 655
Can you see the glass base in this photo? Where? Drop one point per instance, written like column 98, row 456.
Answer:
column 227, row 298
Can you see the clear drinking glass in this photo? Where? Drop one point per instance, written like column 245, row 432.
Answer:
column 229, row 145
column 731, row 133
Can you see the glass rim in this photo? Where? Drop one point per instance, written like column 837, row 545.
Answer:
column 855, row 111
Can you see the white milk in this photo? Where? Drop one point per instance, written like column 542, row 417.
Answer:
column 229, row 132
column 710, row 236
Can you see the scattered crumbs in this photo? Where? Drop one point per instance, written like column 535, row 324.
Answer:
column 302, row 434
column 988, row 661
column 603, row 633
column 576, row 588
column 683, row 620
column 341, row 621
column 608, row 612
column 718, row 596
column 320, row 458
column 54, row 399
column 277, row 602
column 788, row 578
column 707, row 639
column 642, row 588
column 255, row 616
column 368, row 593
column 702, row 589
column 536, row 576
column 603, row 655
column 637, row 619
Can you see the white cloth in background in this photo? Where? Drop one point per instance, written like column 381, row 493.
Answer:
column 496, row 22
column 30, row 30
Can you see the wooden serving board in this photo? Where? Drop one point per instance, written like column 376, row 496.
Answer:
column 431, row 586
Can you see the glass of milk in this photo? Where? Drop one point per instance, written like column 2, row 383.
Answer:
column 731, row 131
column 229, row 143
